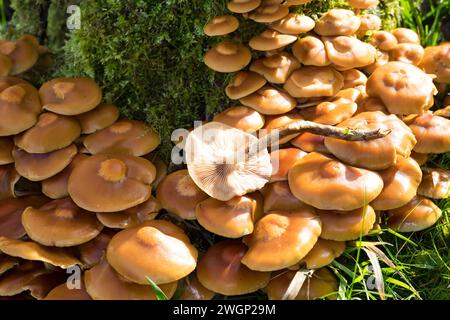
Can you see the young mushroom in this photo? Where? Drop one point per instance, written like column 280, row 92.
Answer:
column 243, row 84
column 275, row 68
column 435, row 184
column 293, row 24
column 227, row 57
column 241, row 117
column 221, row 25
column 270, row 40
column 338, row 22
column 432, row 133
column 311, row 51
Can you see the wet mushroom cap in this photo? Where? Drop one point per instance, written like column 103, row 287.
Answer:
column 22, row 53
column 104, row 283
column 192, row 289
column 338, row 22
column 323, row 253
column 156, row 249
column 346, row 225
column 8, row 179
column 417, row 215
column 241, row 117
column 101, row 117
column 293, row 24
column 18, row 280
column 123, row 137
column 310, row 142
column 436, row 60
column 405, row 35
column 243, row 84
column 349, row 52
column 243, row 6
column 269, row 13
column 179, row 194
column 221, row 25
column 328, row 184
column 221, row 270
column 311, row 51
column 281, row 239
column 270, row 101
column 116, row 182
column 227, row 57
column 384, row 40
column 407, row 53
column 276, row 68
column 282, row 160
column 71, row 225
column 6, row 147
column 51, row 132
column 41, row 166
column 400, row 184
column 432, row 133
column 70, row 96
column 271, row 40
column 278, row 197
column 435, row 184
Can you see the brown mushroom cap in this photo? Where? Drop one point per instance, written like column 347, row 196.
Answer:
column 221, row 25
column 269, row 13
column 8, row 179
column 116, row 182
column 275, row 122
column 282, row 160
column 131, row 217
column 281, row 239
column 338, row 22
column 29, row 250
column 436, row 60
column 7, row 263
column 70, row 96
column 418, row 214
column 275, row 68
column 407, row 53
column 18, row 280
column 293, row 24
column 353, row 78
column 19, row 108
column 322, row 284
column 164, row 250
column 278, row 197
column 92, row 252
column 104, row 283
column 310, row 142
column 41, row 166
column 349, row 52
column 432, row 133
column 241, row 117
column 435, row 184
column 6, row 147
column 323, row 253
column 296, row 2
column 40, row 286
column 310, row 81
column 62, row 292
column 421, row 158
column 6, row 65
column 227, row 57
column 22, row 53
column 370, row 104
column 376, row 154
column 101, row 117
column 270, row 101
column 231, row 219
column 363, row 4
column 192, row 289
column 221, row 270
column 71, row 225
column 56, row 187
column 243, row 84
column 384, row 40
column 311, row 51
column 6, row 82
column 400, row 184
column 346, row 225
column 328, row 184
column 51, row 132
column 243, row 6
column 179, row 194
column 405, row 35
column 270, row 40
column 131, row 137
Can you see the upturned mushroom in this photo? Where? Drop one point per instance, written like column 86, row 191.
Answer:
column 435, row 183
column 221, row 25
column 432, row 133
column 269, row 13
column 338, row 22
column 243, row 84
column 270, row 40
column 311, row 51
column 270, row 101
column 293, row 24
column 227, row 57
column 349, row 52
column 243, row 6
column 276, row 68
column 241, row 117
column 436, row 60
column 101, row 117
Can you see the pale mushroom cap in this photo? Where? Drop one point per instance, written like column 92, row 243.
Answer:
column 101, row 117
column 70, row 96
column 405, row 35
column 156, row 249
column 282, row 239
column 123, row 137
column 276, row 68
column 311, row 51
column 243, row 6
column 6, row 147
column 323, row 253
column 33, row 251
column 179, row 194
column 310, row 81
column 71, row 225
column 310, row 142
column 41, row 166
column 62, row 292
column 51, row 132
column 363, row 4
column 407, row 53
column 221, row 270
column 243, row 84
column 271, row 40
column 192, row 289
column 270, row 101
column 278, row 121
column 293, row 24
column 436, row 60
column 92, row 252
column 384, row 40
column 282, row 160
column 443, row 112
column 110, row 183
column 349, row 52
column 215, row 165
column 400, row 184
column 338, row 22
column 231, row 219
column 269, row 13
column 418, row 214
column 403, row 88
column 22, row 53
column 432, row 133
column 221, row 25
column 346, row 225
column 278, row 197
column 103, row 283
column 241, row 117
column 8, row 179
column 227, row 57
column 435, row 184
column 328, row 184
column 375, row 154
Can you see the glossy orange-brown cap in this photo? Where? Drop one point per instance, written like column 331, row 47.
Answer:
column 7, row 263
column 241, row 117
column 270, row 40
column 435, row 183
column 338, row 22
column 131, row 137
column 244, row 83
column 51, row 132
column 103, row 283
column 179, row 194
column 6, row 147
column 63, row 292
column 93, row 251
column 270, row 101
column 221, row 25
column 370, row 104
column 281, row 239
column 243, row 6
column 346, row 225
column 269, row 13
column 310, row 51
column 101, row 117
column 227, row 57
column 310, row 142
column 432, row 133
column 282, row 160
column 349, row 52
column 293, row 24
column 192, row 289
column 22, row 53
column 221, row 270
column 8, row 179
column 278, row 121
column 323, row 253
column 157, row 249
column 328, row 184
column 278, row 197
column 19, row 279
column 70, row 96
column 115, row 182
column 384, row 40
column 41, row 166
column 353, row 78
column 276, row 68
